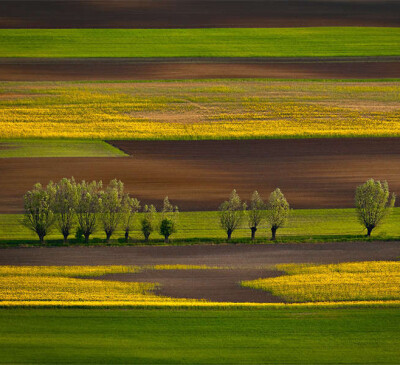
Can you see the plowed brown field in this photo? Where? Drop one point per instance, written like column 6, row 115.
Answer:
column 198, row 175
column 195, row 13
column 157, row 69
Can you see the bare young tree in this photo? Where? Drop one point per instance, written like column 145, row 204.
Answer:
column 231, row 214
column 168, row 219
column 111, row 211
column 88, row 207
column 255, row 213
column 130, row 206
column 65, row 201
column 39, row 216
column 277, row 211
column 373, row 203
column 148, row 221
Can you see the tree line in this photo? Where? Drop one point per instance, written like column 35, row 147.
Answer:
column 86, row 207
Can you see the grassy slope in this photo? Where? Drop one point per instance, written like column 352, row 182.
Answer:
column 261, row 42
column 301, row 336
column 304, row 225
column 57, row 148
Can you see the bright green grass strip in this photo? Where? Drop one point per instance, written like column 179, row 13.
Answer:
column 223, row 42
column 57, row 148
column 290, row 336
column 305, row 225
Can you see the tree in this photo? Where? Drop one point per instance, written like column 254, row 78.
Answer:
column 148, row 221
column 168, row 219
column 373, row 203
column 130, row 206
column 88, row 207
column 39, row 216
column 277, row 211
column 111, row 207
column 65, row 201
column 255, row 213
column 231, row 213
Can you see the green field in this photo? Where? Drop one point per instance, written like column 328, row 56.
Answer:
column 228, row 42
column 301, row 336
column 305, row 225
column 57, row 148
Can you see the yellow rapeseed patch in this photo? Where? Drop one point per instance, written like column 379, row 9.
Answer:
column 362, row 281
column 199, row 110
column 44, row 284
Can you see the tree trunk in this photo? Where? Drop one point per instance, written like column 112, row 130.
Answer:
column 253, row 233
column 126, row 236
column 229, row 233
column 369, row 230
column 273, row 232
column 41, row 239
column 108, row 236
column 86, row 237
column 166, row 238
column 65, row 233
column 146, row 238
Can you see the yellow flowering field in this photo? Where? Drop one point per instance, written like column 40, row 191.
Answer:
column 67, row 284
column 213, row 109
column 362, row 281
column 71, row 286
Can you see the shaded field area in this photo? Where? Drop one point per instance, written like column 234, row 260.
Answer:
column 203, row 42
column 200, row 109
column 125, row 69
column 301, row 336
column 199, row 175
column 239, row 256
column 195, row 13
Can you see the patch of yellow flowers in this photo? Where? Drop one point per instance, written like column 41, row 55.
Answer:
column 69, row 284
column 216, row 110
column 363, row 281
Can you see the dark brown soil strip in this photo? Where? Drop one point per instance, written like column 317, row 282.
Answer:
column 120, row 69
column 196, row 13
column 212, row 285
column 237, row 256
column 199, row 175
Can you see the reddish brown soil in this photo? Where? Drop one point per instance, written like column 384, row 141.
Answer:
column 199, row 175
column 125, row 69
column 238, row 256
column 196, row 13
column 212, row 285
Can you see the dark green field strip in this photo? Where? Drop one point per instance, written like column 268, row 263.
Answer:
column 223, row 42
column 301, row 336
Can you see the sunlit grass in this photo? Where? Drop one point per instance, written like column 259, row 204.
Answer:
column 303, row 225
